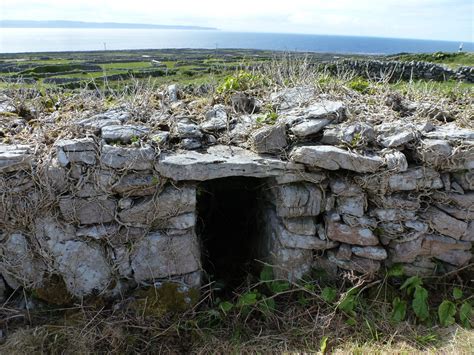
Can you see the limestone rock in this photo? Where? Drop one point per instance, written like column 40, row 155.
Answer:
column 434, row 245
column 298, row 200
column 171, row 202
column 100, row 231
column 415, row 179
column 324, row 109
column 161, row 138
column 361, row 265
column 218, row 162
column 242, row 127
column 269, row 139
column 465, row 179
column 123, row 134
column 181, row 222
column 56, row 176
column 344, row 187
column 88, row 211
column 363, row 221
column 291, row 264
column 160, row 256
column 299, row 241
column 301, row 225
column 344, row 252
column 417, row 226
column 95, row 123
column 83, row 267
column 345, row 234
column 450, row 132
column 291, row 240
column 374, row 253
column 445, row 224
column 215, row 119
column 18, row 265
column 434, row 152
column 395, row 161
column 469, row 235
column 82, row 150
column 300, row 176
column 398, row 139
column 466, row 215
column 333, row 158
column 128, row 158
column 137, row 184
column 354, row 134
column 309, row 127
column 172, row 93
column 190, row 143
column 121, row 262
column 422, row 266
column 405, row 252
column 15, row 157
column 292, row 97
column 398, row 200
column 49, row 231
column 455, row 257
column 352, row 205
column 392, row 214
column 186, row 130
column 463, row 201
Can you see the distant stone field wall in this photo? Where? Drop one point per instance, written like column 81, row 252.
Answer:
column 398, row 70
column 115, row 207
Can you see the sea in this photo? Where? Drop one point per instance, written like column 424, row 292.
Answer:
column 18, row 40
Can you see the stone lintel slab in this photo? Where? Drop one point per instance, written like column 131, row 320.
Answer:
column 219, row 162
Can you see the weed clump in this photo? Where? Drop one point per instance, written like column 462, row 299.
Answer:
column 359, row 84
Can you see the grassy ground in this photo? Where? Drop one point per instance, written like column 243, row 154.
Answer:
column 351, row 315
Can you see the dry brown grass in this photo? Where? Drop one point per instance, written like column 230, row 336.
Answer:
column 300, row 322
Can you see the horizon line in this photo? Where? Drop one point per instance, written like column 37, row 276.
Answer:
column 196, row 27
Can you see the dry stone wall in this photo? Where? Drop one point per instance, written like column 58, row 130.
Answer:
column 392, row 70
column 109, row 210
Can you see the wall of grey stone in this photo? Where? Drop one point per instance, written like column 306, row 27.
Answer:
column 107, row 213
column 398, row 70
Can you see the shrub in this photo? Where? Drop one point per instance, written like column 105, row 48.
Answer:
column 359, row 84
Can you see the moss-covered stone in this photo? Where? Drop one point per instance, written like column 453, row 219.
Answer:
column 165, row 298
column 54, row 291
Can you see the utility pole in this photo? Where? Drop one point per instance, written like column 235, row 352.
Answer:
column 105, row 46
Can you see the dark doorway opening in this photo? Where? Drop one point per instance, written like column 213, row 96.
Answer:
column 228, row 227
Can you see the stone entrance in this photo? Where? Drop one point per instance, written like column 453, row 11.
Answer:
column 228, row 226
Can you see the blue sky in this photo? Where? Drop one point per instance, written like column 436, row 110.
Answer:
column 425, row 19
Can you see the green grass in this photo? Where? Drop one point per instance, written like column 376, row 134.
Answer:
column 126, row 65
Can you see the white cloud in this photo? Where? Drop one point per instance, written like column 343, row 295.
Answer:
column 435, row 19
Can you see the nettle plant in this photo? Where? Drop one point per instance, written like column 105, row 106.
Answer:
column 419, row 296
column 411, row 298
column 241, row 81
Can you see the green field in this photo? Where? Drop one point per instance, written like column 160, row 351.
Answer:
column 114, row 69
column 77, row 69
